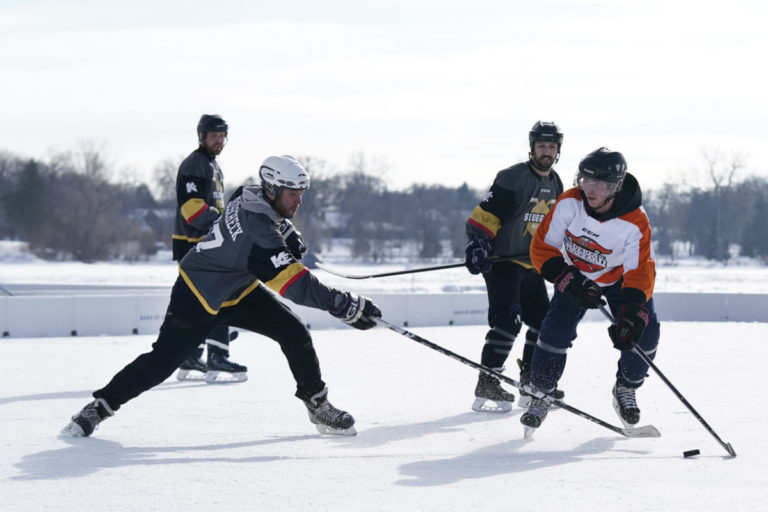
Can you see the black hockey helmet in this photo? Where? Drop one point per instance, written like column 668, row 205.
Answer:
column 211, row 123
column 603, row 165
column 545, row 131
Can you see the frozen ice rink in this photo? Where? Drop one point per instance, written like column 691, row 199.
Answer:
column 250, row 446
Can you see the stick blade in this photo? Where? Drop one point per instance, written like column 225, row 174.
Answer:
column 644, row 431
column 730, row 449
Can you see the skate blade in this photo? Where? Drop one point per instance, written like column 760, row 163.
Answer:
column 325, row 429
column 485, row 405
column 528, row 432
column 190, row 375
column 214, row 377
column 72, row 430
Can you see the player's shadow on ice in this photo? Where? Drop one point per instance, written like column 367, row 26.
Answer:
column 377, row 436
column 86, row 394
column 86, row 456
column 500, row 459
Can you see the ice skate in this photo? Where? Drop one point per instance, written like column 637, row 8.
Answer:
column 328, row 419
column 87, row 420
column 488, row 390
column 625, row 405
column 525, row 379
column 221, row 370
column 193, row 368
column 535, row 415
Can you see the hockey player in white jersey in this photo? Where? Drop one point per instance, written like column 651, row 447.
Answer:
column 224, row 280
column 595, row 244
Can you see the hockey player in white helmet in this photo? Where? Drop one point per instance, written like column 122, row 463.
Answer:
column 230, row 278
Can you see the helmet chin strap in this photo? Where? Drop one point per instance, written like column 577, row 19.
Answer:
column 595, row 208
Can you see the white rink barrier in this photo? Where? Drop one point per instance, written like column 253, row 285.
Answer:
column 117, row 315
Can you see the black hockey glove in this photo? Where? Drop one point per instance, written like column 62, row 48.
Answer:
column 355, row 310
column 292, row 238
column 579, row 288
column 630, row 324
column 477, row 255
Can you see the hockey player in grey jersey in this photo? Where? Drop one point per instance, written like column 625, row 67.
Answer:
column 502, row 225
column 224, row 281
column 199, row 202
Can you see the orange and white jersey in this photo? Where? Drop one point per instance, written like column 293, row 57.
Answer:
column 603, row 250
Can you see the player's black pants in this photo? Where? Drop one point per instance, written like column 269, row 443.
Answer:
column 515, row 293
column 186, row 324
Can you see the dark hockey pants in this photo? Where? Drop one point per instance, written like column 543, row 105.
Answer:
column 187, row 324
column 558, row 330
column 512, row 290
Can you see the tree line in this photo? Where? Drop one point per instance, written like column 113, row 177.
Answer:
column 72, row 207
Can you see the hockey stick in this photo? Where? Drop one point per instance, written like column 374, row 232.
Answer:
column 6, row 291
column 644, row 431
column 637, row 350
column 411, row 271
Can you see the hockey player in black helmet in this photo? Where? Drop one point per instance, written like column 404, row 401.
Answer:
column 231, row 278
column 502, row 225
column 595, row 245
column 199, row 202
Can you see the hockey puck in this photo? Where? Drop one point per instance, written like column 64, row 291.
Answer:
column 691, row 453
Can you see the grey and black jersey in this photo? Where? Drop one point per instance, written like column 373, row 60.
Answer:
column 513, row 208
column 245, row 247
column 199, row 198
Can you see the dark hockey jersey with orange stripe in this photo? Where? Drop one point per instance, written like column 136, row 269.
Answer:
column 511, row 211
column 605, row 247
column 199, row 200
column 243, row 248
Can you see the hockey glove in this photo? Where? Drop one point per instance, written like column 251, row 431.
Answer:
column 292, row 239
column 477, row 255
column 630, row 324
column 579, row 288
column 355, row 310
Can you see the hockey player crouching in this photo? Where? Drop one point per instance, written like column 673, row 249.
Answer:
column 224, row 281
column 594, row 243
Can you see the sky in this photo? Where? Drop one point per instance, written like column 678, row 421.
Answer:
column 428, row 91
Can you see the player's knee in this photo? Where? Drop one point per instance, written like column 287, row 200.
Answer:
column 506, row 324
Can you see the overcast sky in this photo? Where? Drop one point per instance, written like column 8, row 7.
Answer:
column 435, row 91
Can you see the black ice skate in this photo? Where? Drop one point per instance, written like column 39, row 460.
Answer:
column 328, row 419
column 221, row 370
column 525, row 379
column 625, row 404
column 534, row 416
column 489, row 389
column 193, row 368
column 87, row 420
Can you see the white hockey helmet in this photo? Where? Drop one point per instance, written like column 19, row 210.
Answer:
column 279, row 172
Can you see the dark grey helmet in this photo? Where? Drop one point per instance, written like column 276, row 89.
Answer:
column 545, row 131
column 604, row 165
column 211, row 123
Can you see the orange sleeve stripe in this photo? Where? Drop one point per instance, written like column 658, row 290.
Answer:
column 540, row 251
column 487, row 222
column 193, row 208
column 282, row 281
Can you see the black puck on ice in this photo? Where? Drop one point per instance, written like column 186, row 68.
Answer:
column 691, row 453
